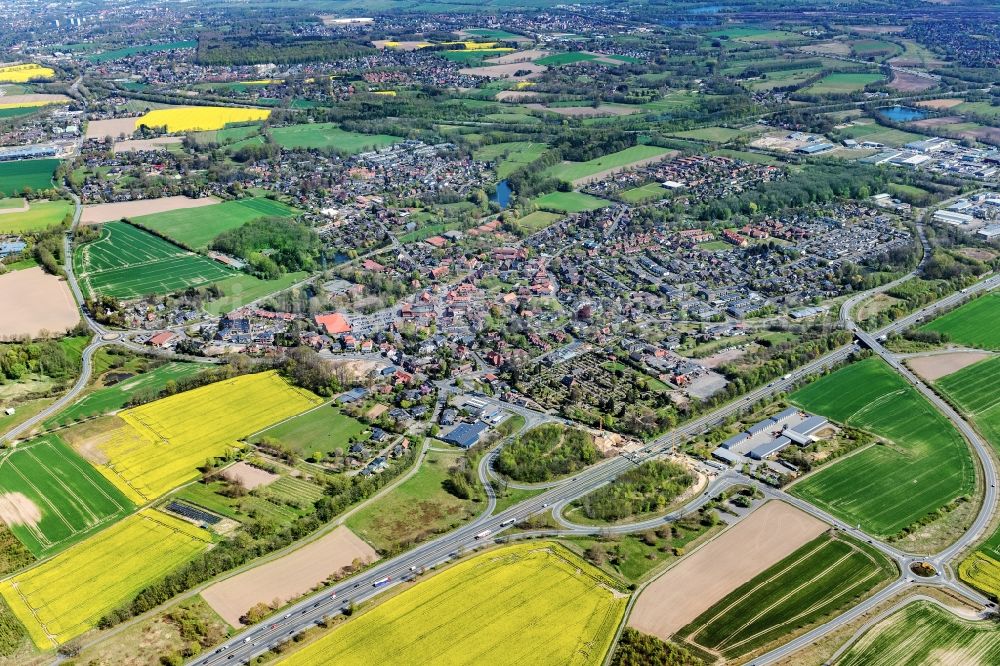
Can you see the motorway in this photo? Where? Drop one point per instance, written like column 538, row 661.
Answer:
column 304, row 614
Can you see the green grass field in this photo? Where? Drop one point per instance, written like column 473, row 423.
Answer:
column 984, row 109
column 810, row 585
column 570, row 202
column 715, row 134
column 33, row 174
column 198, row 227
column 874, row 132
column 972, row 324
column 416, row 510
column 783, row 78
column 240, row 289
column 72, row 498
column 557, row 59
column 924, row 633
column 843, row 83
column 864, row 48
column 111, row 398
column 40, row 215
column 534, row 222
column 533, row 603
column 510, row 156
column 327, row 136
column 571, row 171
column 753, row 35
column 135, row 50
column 323, row 430
column 127, row 262
column 645, row 193
column 489, row 33
column 885, row 487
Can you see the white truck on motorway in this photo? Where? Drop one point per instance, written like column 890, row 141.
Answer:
column 484, row 534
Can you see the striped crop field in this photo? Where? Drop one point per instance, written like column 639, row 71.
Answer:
column 59, row 497
column 810, row 585
column 159, row 446
column 67, row 595
column 127, row 262
column 973, row 324
column 922, row 465
column 532, row 603
column 924, row 633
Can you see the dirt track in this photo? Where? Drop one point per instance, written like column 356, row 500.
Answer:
column 109, row 212
column 287, row 577
column 684, row 592
column 33, row 303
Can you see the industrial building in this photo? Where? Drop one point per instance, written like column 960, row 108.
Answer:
column 767, row 437
column 466, row 435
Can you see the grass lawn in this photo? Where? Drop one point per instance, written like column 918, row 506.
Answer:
column 322, row 430
column 135, row 50
column 984, row 109
column 782, row 78
column 571, row 171
column 753, row 34
column 198, row 227
column 557, row 59
column 753, row 158
column 534, row 222
column 327, row 136
column 645, row 193
column 240, row 289
column 33, row 174
column 570, row 202
column 972, row 324
column 843, row 83
column 40, row 215
column 886, row 487
column 875, row 132
column 417, row 509
column 809, row 586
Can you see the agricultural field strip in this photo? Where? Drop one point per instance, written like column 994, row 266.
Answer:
column 832, row 571
column 66, row 595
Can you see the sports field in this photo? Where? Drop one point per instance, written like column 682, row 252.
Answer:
column 886, row 487
column 570, row 202
column 534, row 603
column 161, row 444
column 40, row 215
column 808, row 586
column 127, row 262
column 198, row 227
column 924, row 633
column 972, row 324
column 327, row 136
column 67, row 595
column 110, row 398
column 194, row 118
column 572, row 171
column 25, row 72
column 35, row 174
column 51, row 498
column 842, row 83
column 321, row 430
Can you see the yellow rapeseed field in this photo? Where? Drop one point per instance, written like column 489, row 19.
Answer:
column 162, row 443
column 24, row 73
column 65, row 596
column 534, row 603
column 982, row 571
column 196, row 118
column 24, row 105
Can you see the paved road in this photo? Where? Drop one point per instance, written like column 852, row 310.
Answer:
column 255, row 640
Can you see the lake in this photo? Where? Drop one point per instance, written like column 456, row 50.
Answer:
column 503, row 194
column 903, row 114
